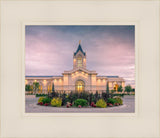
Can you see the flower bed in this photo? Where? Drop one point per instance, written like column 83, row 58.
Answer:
column 80, row 100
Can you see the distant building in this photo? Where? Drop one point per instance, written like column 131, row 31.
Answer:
column 78, row 79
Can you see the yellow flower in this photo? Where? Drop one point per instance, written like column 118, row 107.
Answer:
column 101, row 103
column 57, row 102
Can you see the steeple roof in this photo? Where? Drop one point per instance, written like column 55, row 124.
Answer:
column 80, row 49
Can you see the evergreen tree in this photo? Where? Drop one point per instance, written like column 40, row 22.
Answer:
column 53, row 87
column 28, row 87
column 107, row 91
column 53, row 94
column 35, row 87
column 128, row 88
column 120, row 89
column 96, row 96
column 64, row 98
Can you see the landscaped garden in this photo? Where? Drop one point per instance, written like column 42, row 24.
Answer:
column 83, row 99
column 80, row 100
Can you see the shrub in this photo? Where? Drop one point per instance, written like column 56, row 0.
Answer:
column 116, row 104
column 90, row 98
column 64, row 99
column 46, row 100
column 69, row 97
column 111, row 100
column 84, row 95
column 40, row 103
column 28, row 87
column 40, row 100
column 120, row 95
column 105, row 96
column 101, row 103
column 96, row 97
column 39, row 95
column 72, row 96
column 92, row 104
column 57, row 102
column 68, row 104
column 118, row 100
column 54, row 94
column 79, row 106
column 112, row 91
column 81, row 102
column 46, row 104
column 110, row 105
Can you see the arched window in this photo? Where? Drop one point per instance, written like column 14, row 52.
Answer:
column 80, row 86
column 79, row 62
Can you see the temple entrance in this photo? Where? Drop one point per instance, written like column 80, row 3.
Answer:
column 79, row 86
column 116, row 87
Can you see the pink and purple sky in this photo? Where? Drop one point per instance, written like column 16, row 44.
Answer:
column 110, row 49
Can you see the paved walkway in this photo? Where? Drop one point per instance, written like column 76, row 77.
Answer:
column 127, row 107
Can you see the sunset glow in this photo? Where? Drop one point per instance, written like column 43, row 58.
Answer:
column 110, row 50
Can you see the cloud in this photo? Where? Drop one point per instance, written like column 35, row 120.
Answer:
column 110, row 49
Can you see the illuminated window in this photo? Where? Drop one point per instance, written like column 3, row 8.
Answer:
column 79, row 61
column 116, row 87
column 80, row 86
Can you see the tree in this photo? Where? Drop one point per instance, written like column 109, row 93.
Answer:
column 133, row 90
column 35, row 87
column 64, row 98
column 128, row 88
column 107, row 88
column 28, row 87
column 104, row 96
column 53, row 87
column 120, row 89
column 53, row 94
column 96, row 97
column 70, row 97
column 90, row 98
column 107, row 91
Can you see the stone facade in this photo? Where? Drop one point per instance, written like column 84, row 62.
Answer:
column 78, row 79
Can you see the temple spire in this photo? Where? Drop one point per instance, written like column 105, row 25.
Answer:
column 79, row 57
column 79, row 49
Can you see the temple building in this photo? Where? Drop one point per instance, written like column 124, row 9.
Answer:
column 78, row 79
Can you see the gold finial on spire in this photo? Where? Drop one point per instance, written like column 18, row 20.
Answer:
column 79, row 41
